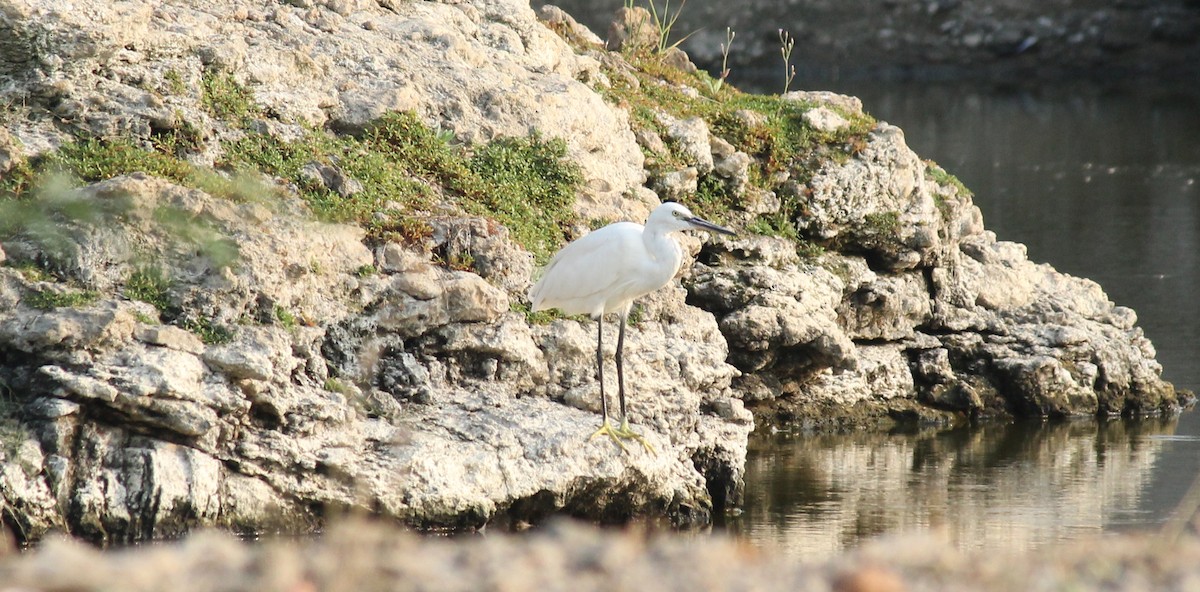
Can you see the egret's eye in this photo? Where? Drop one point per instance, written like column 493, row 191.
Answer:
column 677, row 214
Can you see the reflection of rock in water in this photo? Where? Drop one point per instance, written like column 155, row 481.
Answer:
column 996, row 487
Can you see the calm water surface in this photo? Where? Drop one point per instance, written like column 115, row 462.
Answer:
column 1100, row 183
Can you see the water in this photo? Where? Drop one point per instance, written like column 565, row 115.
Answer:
column 1100, row 182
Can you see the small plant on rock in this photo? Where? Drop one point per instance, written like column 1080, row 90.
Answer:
column 787, row 42
column 714, row 85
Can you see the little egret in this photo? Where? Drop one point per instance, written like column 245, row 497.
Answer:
column 605, row 271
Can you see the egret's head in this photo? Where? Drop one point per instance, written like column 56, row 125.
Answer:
column 675, row 216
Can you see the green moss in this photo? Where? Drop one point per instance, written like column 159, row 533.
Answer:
column 178, row 141
column 366, row 271
column 712, row 199
column 941, row 177
column 808, row 250
column 776, row 224
column 49, row 300
column 882, row 223
column 19, row 180
column 88, row 160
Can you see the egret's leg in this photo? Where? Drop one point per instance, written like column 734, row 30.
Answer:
column 624, row 431
column 605, row 426
column 620, row 359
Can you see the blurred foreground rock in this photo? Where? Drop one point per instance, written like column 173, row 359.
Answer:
column 567, row 556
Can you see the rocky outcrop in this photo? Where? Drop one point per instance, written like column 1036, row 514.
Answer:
column 173, row 357
column 920, row 305
column 418, row 393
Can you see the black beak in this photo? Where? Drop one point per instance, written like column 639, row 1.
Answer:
column 699, row 222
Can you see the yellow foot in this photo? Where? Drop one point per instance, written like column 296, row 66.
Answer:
column 608, row 429
column 625, row 432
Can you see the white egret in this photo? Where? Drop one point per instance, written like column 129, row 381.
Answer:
column 604, row 272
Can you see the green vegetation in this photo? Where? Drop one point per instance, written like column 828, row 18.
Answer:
column 882, row 223
column 175, row 84
column 714, row 85
column 225, row 99
column 941, row 177
column 150, row 285
column 285, row 317
column 786, row 44
column 366, row 271
column 408, row 171
column 406, row 168
column 178, row 141
column 769, row 128
column 663, row 23
column 49, row 300
column 32, row 273
column 208, row 331
column 12, row 432
column 87, row 160
column 541, row 317
column 334, row 385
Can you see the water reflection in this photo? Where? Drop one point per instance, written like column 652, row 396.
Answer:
column 996, row 486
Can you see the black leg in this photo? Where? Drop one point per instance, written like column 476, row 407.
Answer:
column 624, row 431
column 600, row 367
column 621, row 371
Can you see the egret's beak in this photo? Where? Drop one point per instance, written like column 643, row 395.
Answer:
column 701, row 223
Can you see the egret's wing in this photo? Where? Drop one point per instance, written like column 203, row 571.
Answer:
column 585, row 274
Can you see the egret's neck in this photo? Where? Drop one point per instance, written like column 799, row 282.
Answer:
column 664, row 249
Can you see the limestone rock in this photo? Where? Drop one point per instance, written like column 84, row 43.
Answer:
column 879, row 201
column 691, row 139
column 631, row 29
column 107, row 70
column 825, row 120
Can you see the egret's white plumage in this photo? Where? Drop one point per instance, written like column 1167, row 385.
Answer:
column 606, row 270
